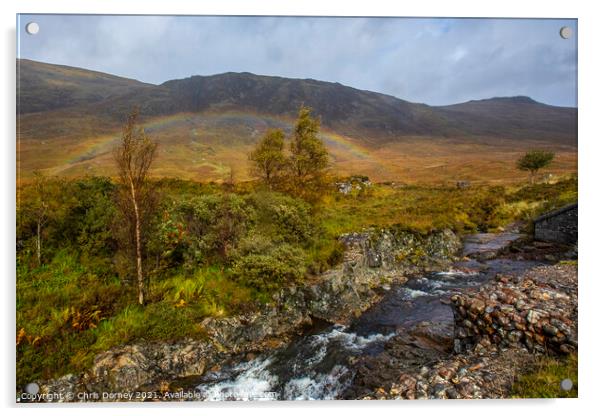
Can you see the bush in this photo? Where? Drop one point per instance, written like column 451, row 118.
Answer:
column 282, row 217
column 203, row 229
column 269, row 271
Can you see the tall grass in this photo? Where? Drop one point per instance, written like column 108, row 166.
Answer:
column 426, row 208
column 544, row 378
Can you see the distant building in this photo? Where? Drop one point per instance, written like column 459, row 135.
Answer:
column 559, row 226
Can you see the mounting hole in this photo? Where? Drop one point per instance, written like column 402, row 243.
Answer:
column 566, row 32
column 32, row 28
column 566, row 384
column 32, row 388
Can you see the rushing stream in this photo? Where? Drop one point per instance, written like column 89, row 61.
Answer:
column 317, row 364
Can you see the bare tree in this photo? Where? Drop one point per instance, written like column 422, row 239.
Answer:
column 134, row 157
column 40, row 210
column 230, row 181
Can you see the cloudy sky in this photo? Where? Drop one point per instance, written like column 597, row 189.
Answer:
column 433, row 61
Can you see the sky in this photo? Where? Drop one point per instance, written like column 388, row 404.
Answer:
column 424, row 60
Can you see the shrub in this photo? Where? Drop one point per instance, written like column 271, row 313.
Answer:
column 269, row 271
column 282, row 217
column 204, row 229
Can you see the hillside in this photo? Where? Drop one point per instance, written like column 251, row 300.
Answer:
column 516, row 117
column 70, row 118
column 46, row 87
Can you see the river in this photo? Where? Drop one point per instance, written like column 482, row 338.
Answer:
column 319, row 364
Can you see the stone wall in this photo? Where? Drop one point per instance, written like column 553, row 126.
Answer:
column 558, row 226
column 537, row 311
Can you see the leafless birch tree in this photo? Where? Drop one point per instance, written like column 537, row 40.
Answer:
column 134, row 157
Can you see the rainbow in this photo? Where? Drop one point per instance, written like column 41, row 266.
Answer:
column 93, row 147
column 334, row 140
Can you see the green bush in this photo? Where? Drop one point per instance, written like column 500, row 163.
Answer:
column 282, row 217
column 283, row 264
column 204, row 229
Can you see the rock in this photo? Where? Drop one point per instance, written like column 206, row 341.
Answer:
column 567, row 349
column 515, row 336
column 452, row 393
column 533, row 316
column 374, row 259
column 549, row 330
column 520, row 305
column 478, row 306
column 439, row 391
column 62, row 389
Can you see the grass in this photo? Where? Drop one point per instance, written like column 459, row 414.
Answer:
column 425, row 208
column 66, row 315
column 544, row 378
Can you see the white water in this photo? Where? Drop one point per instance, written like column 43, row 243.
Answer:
column 253, row 383
column 255, row 380
column 321, row 387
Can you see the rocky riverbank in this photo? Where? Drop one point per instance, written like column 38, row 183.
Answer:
column 372, row 260
column 499, row 330
column 435, row 329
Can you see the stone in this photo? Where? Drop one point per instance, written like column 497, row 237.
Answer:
column 515, row 336
column 533, row 316
column 549, row 330
column 477, row 306
column 567, row 349
column 62, row 389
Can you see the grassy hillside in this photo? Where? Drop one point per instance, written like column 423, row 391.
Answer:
column 519, row 117
column 69, row 119
column 206, row 146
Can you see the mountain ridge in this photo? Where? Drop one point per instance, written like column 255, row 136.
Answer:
column 352, row 111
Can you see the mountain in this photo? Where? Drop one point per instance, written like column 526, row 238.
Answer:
column 520, row 117
column 344, row 109
column 78, row 113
